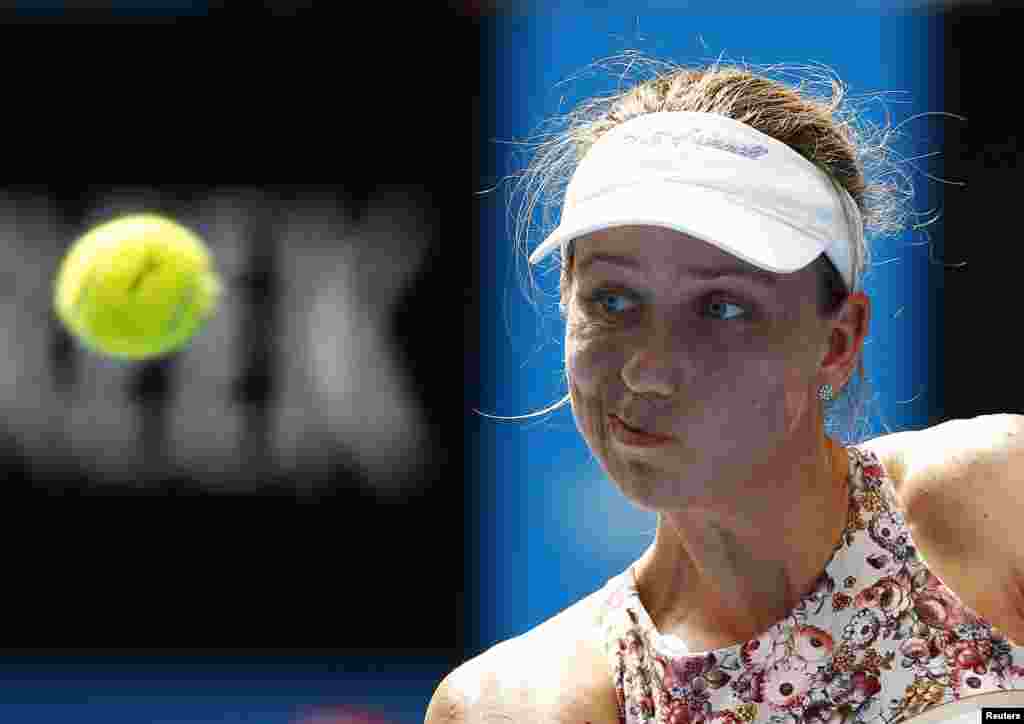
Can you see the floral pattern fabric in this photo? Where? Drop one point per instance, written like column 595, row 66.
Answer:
column 879, row 639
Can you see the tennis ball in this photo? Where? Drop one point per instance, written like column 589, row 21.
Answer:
column 136, row 288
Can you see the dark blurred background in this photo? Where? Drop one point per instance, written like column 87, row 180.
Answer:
column 279, row 505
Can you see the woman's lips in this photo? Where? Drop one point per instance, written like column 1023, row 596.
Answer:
column 631, row 437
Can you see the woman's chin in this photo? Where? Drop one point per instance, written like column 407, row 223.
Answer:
column 652, row 493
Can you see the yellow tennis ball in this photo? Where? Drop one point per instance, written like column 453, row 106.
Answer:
column 137, row 287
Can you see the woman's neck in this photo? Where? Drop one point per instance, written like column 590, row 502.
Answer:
column 715, row 578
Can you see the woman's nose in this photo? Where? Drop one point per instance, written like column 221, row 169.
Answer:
column 652, row 368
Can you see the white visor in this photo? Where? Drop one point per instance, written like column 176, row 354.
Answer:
column 718, row 180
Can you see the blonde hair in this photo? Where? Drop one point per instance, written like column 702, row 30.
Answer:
column 823, row 129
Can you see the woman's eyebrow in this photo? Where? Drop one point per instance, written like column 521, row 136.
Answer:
column 765, row 278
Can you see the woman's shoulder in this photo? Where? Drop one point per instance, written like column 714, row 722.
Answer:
column 893, row 451
column 556, row 672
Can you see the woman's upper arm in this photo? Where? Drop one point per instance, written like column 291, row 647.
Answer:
column 461, row 692
column 446, row 706
column 963, row 503
column 472, row 692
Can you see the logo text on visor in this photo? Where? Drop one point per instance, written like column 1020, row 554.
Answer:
column 698, row 138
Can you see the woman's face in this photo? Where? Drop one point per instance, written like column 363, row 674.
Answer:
column 728, row 367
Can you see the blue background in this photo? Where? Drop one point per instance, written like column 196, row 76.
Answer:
column 553, row 528
column 253, row 689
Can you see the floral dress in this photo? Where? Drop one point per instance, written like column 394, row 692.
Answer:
column 879, row 639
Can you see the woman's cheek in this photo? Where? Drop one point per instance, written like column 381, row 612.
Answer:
column 591, row 370
column 593, row 363
column 582, row 360
column 579, row 375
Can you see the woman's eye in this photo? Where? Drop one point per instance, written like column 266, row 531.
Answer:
column 723, row 306
column 615, row 304
column 599, row 299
